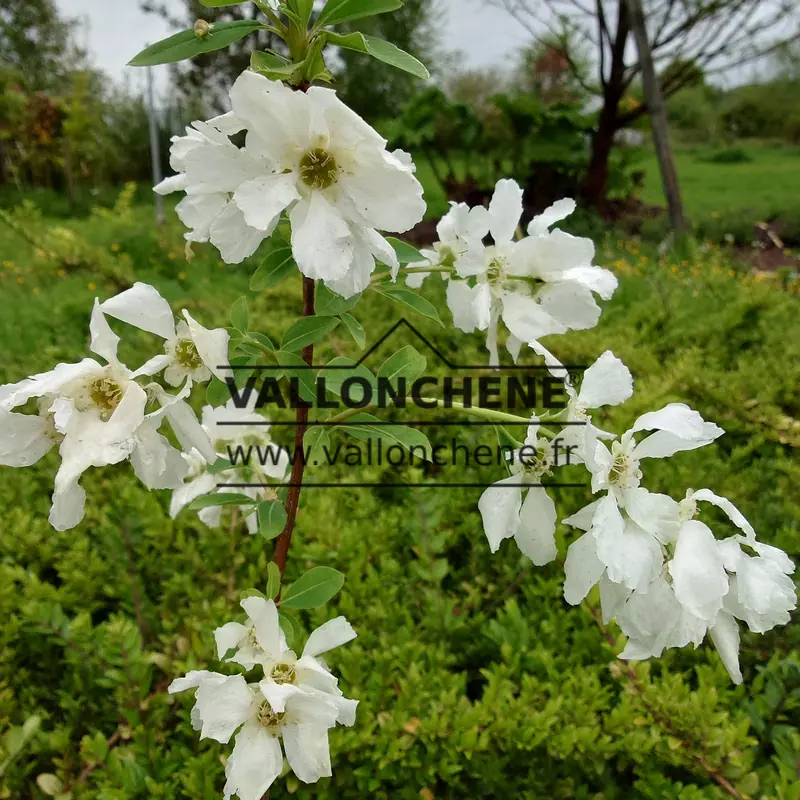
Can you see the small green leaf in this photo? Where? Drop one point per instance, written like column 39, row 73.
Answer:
column 263, row 340
column 50, row 784
column 220, row 499
column 306, row 331
column 383, row 51
column 277, row 265
column 330, row 304
column 413, row 301
column 187, row 44
column 271, row 519
column 272, row 67
column 217, row 393
column 245, row 593
column 240, row 315
column 315, row 441
column 370, row 427
column 295, row 367
column 290, row 628
column 405, row 363
column 220, row 465
column 273, row 580
column 355, row 330
column 406, row 253
column 313, row 589
column 337, row 11
column 333, row 376
column 303, row 9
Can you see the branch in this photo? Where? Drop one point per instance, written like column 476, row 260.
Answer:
column 298, row 468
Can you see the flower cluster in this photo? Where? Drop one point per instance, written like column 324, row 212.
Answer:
column 539, row 285
column 99, row 414
column 298, row 700
column 306, row 155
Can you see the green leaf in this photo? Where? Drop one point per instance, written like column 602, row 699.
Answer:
column 217, row 393
column 187, row 44
column 295, row 367
column 412, row 300
column 240, row 315
column 405, row 363
column 278, row 264
column 315, row 440
column 290, row 628
column 220, row 465
column 220, row 499
column 332, row 305
column 303, row 9
column 306, row 331
column 391, row 434
column 313, row 589
column 273, row 580
column 271, row 519
column 383, row 51
column 505, row 439
column 263, row 340
column 334, row 376
column 272, row 67
column 406, row 253
column 355, row 330
column 245, row 593
column 337, row 11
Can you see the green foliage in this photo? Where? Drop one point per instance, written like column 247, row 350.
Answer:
column 475, row 679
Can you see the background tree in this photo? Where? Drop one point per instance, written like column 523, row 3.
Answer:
column 713, row 35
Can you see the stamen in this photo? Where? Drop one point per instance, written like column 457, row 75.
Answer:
column 318, row 169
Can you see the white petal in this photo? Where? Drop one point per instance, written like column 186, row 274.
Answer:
column 333, row 633
column 308, row 751
column 583, row 519
column 233, row 237
column 181, row 497
column 212, row 345
column 527, row 319
column 263, row 199
column 608, row 382
column 24, row 439
column 613, row 597
column 733, row 513
column 198, row 212
column 44, row 383
column 229, row 636
column 698, row 575
column 678, row 428
column 104, row 340
column 535, row 534
column 548, row 257
column 143, row 307
column 571, row 304
column 542, row 223
column 265, row 618
column 657, row 514
column 156, row 463
column 321, row 240
column 500, row 505
column 505, row 210
column 277, row 694
column 223, row 706
column 194, row 679
column 599, row 280
column 470, row 307
column 725, row 635
column 583, row 569
column 255, row 763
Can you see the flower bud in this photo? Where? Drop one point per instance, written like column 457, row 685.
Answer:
column 201, row 29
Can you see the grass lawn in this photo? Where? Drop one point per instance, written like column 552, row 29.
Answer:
column 765, row 185
column 475, row 678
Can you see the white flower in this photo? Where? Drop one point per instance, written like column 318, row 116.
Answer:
column 310, row 156
column 227, row 704
column 608, row 382
column 193, row 352
column 297, row 701
column 237, row 434
column 538, row 286
column 531, row 523
column 627, row 546
column 97, row 415
column 260, row 642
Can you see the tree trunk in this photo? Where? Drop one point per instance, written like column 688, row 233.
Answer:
column 596, row 185
column 658, row 120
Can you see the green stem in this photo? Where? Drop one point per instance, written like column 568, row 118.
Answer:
column 383, row 275
column 485, row 413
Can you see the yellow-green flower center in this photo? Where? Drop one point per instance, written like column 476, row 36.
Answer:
column 284, row 673
column 497, row 270
column 105, row 394
column 187, row 356
column 318, row 169
column 267, row 717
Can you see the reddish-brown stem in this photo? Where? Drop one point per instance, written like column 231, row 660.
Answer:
column 301, row 426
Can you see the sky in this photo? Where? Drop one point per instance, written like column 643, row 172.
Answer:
column 115, row 30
